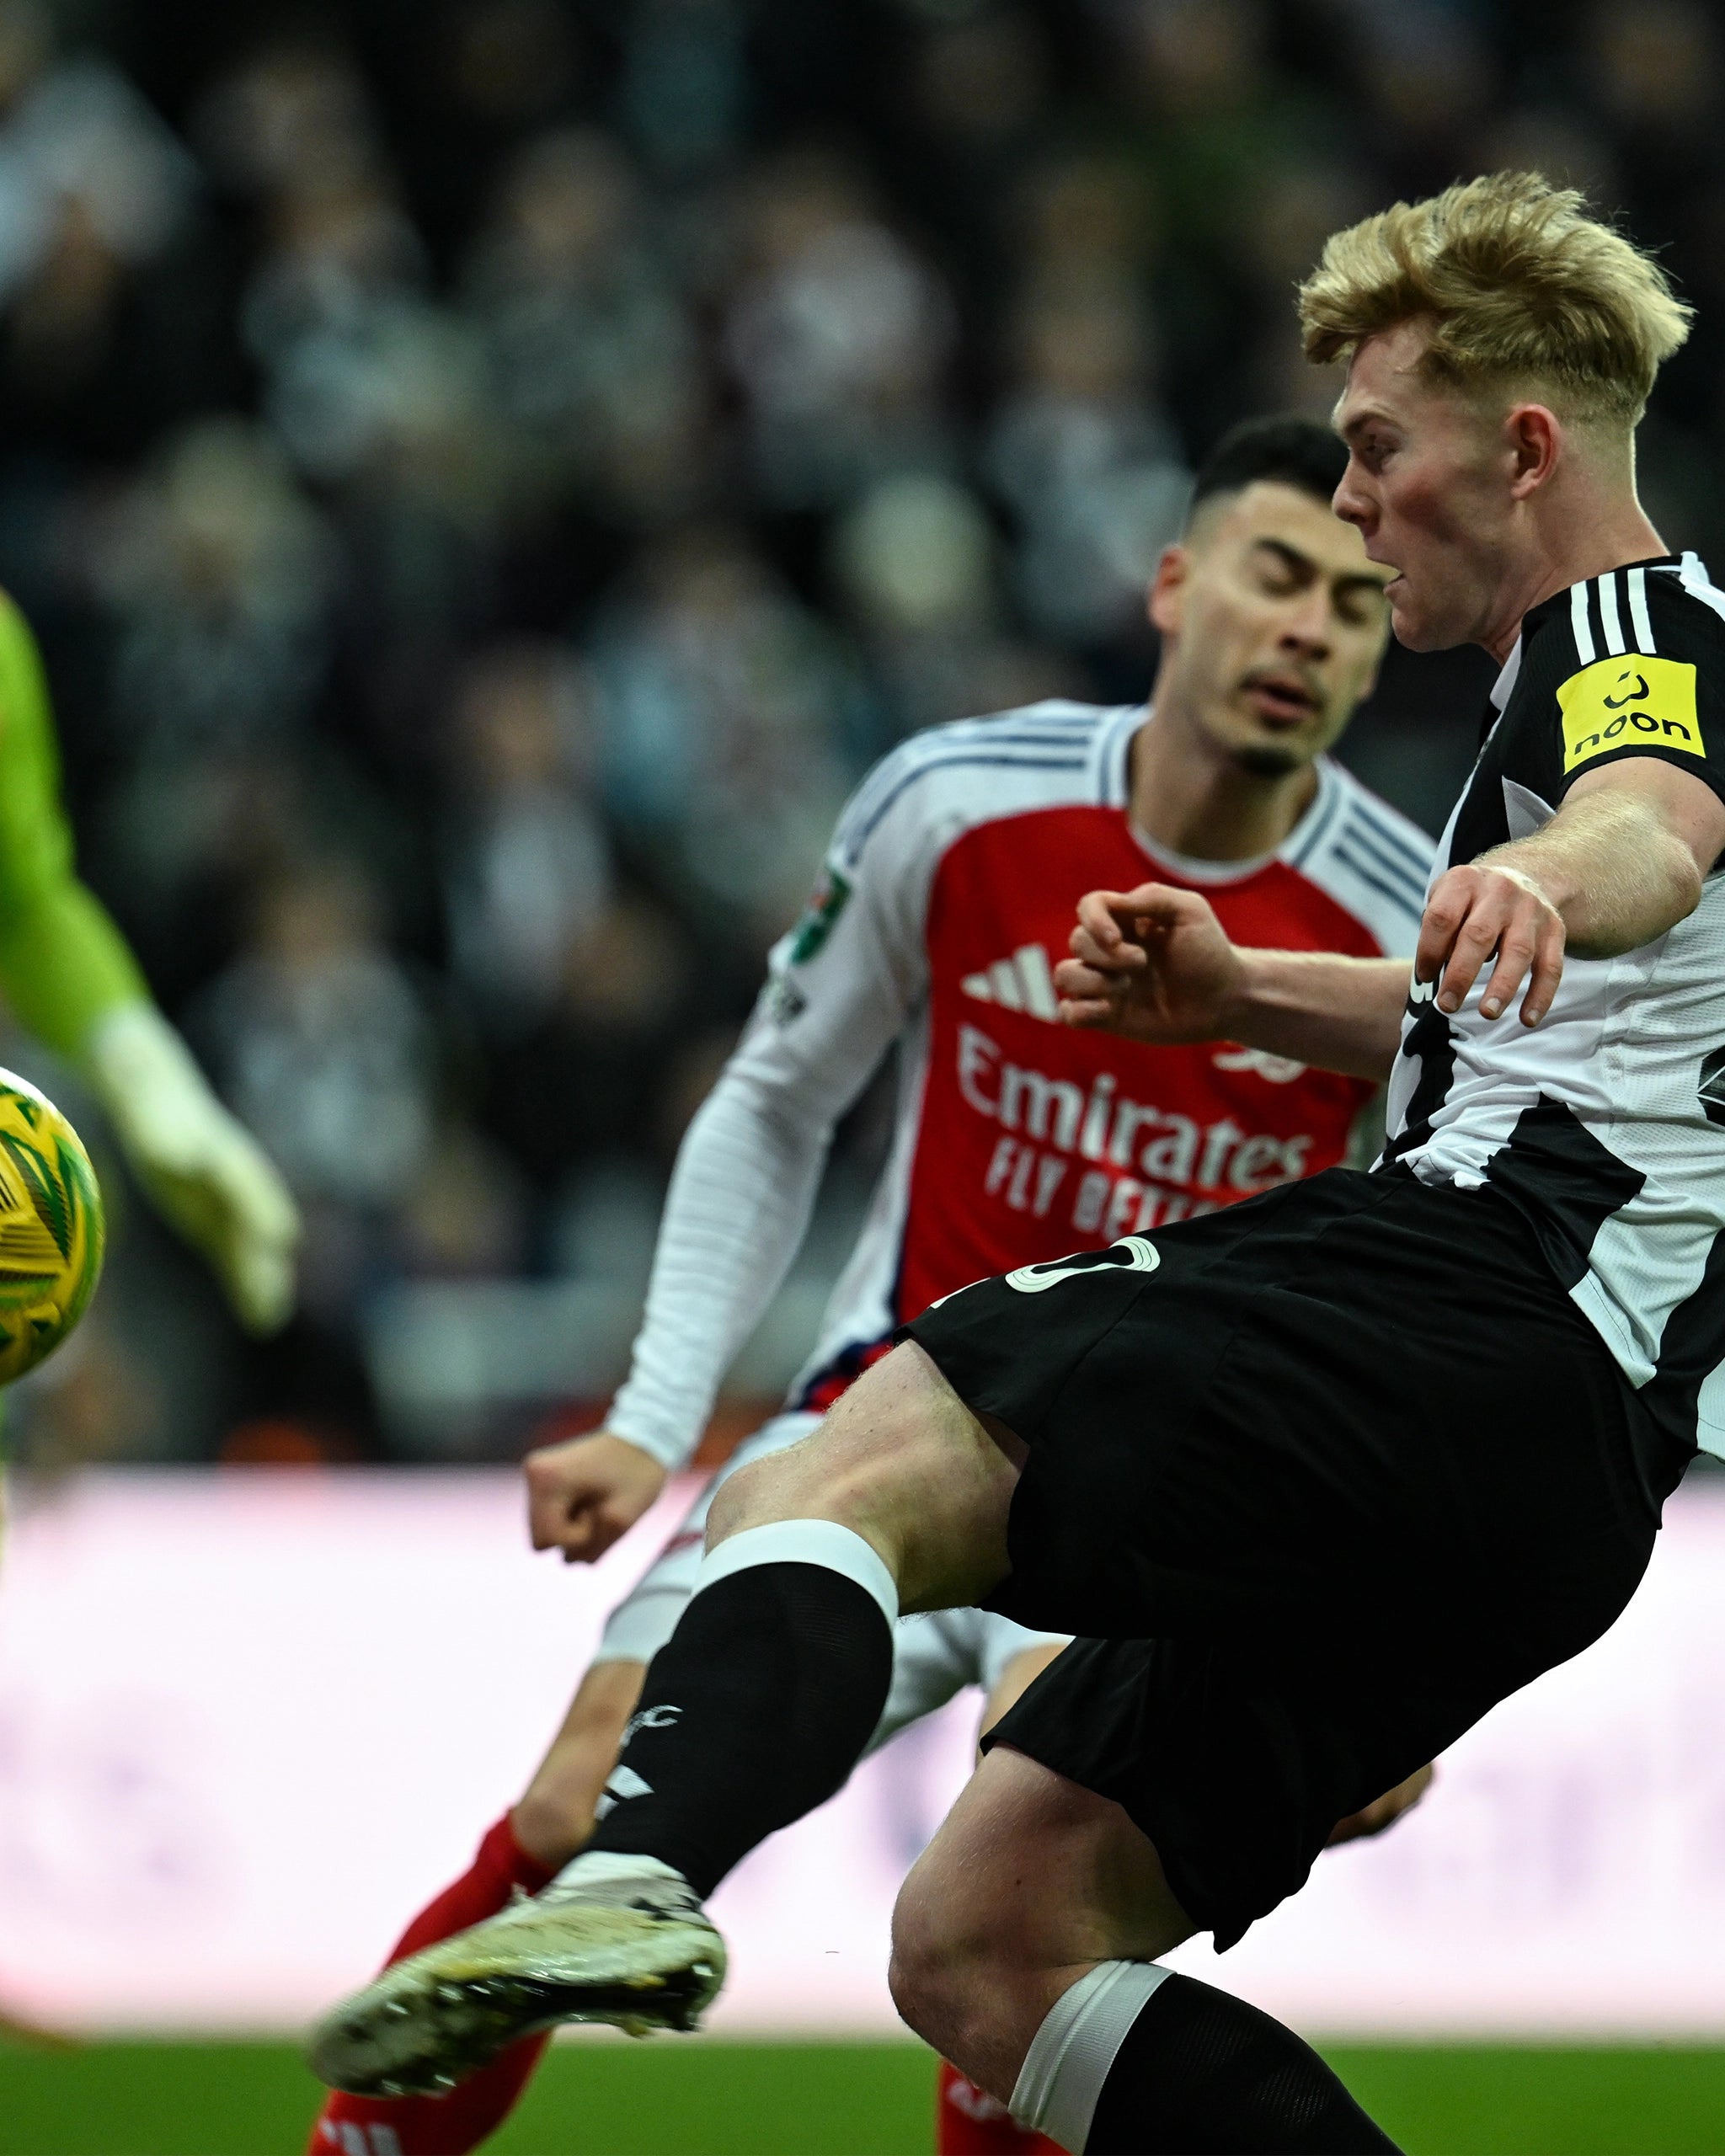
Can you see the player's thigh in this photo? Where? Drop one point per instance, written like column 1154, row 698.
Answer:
column 556, row 1813
column 1031, row 1880
column 905, row 1463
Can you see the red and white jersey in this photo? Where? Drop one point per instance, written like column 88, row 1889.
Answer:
column 947, row 898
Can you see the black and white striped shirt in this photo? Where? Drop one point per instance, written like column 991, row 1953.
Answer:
column 1606, row 1124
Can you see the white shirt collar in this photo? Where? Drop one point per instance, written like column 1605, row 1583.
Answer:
column 1505, row 682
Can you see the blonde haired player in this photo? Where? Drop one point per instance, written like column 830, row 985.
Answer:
column 941, row 910
column 1321, row 1477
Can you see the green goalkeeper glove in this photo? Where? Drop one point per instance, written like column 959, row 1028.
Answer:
column 201, row 1167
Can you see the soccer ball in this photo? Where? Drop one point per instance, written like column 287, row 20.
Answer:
column 51, row 1231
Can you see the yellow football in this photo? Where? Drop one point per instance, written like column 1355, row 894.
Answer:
column 51, row 1231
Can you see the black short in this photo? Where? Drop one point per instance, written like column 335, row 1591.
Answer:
column 1323, row 1476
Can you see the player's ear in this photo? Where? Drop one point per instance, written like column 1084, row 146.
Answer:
column 1167, row 601
column 1533, row 436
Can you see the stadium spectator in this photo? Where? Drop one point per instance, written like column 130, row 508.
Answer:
column 321, row 1045
column 725, row 706
column 527, row 868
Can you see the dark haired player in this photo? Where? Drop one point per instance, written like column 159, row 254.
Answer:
column 945, row 903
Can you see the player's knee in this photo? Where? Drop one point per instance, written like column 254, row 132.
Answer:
column 755, row 1497
column 818, row 1478
column 950, row 1963
column 927, row 1987
column 903, row 1463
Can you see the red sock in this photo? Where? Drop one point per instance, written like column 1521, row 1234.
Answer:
column 968, row 2123
column 450, row 2124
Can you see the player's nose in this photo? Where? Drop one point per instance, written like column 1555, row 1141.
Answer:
column 1306, row 632
column 1352, row 503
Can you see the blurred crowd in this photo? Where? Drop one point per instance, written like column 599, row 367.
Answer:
column 488, row 477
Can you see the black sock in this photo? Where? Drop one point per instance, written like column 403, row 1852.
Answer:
column 1202, row 2073
column 754, row 1711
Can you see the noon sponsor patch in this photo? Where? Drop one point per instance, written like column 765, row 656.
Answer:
column 1629, row 702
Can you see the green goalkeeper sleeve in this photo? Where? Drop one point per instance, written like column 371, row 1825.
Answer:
column 63, row 964
column 66, row 971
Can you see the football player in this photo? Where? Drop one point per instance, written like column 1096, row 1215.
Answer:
column 70, row 979
column 943, row 906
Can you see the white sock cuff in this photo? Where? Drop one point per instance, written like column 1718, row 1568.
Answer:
column 1071, row 2054
column 821, row 1542
column 601, row 1867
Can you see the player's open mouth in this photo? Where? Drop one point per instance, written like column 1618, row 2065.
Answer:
column 1282, row 700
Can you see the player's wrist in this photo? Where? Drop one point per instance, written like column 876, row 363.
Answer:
column 1249, row 992
column 665, row 1451
column 143, row 1072
column 1542, row 875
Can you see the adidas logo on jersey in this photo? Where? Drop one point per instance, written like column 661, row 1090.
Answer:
column 1024, row 982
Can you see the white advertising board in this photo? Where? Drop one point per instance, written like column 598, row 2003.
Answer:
column 250, row 1722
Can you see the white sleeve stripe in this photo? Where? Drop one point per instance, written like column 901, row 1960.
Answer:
column 1356, row 834
column 1397, row 894
column 1110, row 754
column 1608, row 613
column 1582, row 633
column 1414, row 846
column 1637, row 583
column 853, row 836
column 1062, row 726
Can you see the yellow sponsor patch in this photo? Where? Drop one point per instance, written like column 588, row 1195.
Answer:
column 1627, row 703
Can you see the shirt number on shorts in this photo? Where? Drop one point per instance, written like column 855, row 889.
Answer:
column 1131, row 1254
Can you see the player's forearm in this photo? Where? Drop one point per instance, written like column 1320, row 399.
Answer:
column 64, row 966
column 1318, row 1008
column 739, row 1203
column 1614, row 867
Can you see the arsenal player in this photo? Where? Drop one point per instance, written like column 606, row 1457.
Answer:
column 944, row 904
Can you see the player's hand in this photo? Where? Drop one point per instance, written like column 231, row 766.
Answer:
column 204, row 1172
column 210, row 1179
column 1383, row 1811
column 1483, row 907
column 587, row 1492
column 1155, row 964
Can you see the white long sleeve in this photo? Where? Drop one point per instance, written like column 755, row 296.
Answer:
column 841, row 988
column 739, row 1200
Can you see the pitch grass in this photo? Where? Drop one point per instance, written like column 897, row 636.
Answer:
column 605, row 2098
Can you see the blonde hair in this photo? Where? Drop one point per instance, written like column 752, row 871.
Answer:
column 1518, row 285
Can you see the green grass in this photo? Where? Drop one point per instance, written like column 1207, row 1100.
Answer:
column 1492, row 2100
column 832, row 2099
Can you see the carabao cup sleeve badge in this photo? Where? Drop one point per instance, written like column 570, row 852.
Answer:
column 831, row 896
column 1627, row 703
